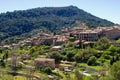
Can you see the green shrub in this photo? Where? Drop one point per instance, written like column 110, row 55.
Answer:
column 92, row 60
column 47, row 70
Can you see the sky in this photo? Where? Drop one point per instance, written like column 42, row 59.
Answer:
column 106, row 9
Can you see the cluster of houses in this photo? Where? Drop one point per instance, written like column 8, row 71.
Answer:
column 94, row 34
column 45, row 39
column 80, row 33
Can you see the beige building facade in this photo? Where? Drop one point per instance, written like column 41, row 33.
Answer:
column 44, row 62
column 95, row 34
column 113, row 33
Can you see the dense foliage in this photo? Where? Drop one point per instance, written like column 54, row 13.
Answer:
column 47, row 19
column 99, row 62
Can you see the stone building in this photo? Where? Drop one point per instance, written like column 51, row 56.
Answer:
column 60, row 39
column 44, row 62
column 95, row 34
column 112, row 32
column 87, row 35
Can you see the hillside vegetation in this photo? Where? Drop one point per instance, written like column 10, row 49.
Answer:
column 48, row 18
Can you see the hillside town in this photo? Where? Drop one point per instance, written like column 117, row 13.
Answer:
column 81, row 33
column 59, row 40
column 78, row 36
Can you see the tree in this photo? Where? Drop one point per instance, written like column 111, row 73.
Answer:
column 83, row 55
column 70, row 56
column 106, row 54
column 79, row 57
column 5, row 56
column 92, row 60
column 103, row 43
column 2, row 63
column 47, row 70
column 115, row 70
column 78, row 75
column 117, row 57
column 87, row 53
column 112, row 48
column 69, row 44
column 55, row 55
column 32, row 50
column 68, row 77
column 112, row 61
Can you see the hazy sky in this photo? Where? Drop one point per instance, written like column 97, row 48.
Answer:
column 106, row 9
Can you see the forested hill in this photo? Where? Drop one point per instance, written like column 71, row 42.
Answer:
column 49, row 18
